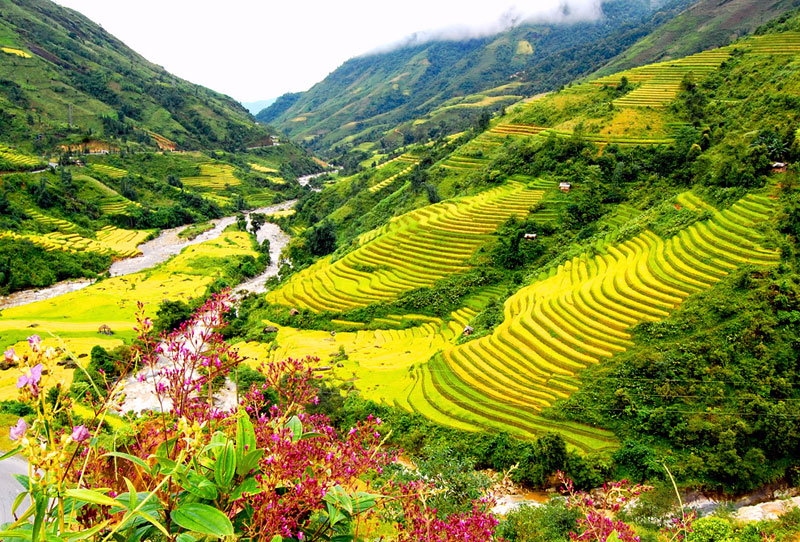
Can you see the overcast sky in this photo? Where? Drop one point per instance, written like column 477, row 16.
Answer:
column 259, row 49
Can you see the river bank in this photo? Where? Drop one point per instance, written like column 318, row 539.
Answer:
column 159, row 250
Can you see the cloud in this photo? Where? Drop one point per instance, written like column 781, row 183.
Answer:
column 535, row 11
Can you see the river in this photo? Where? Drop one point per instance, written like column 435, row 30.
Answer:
column 162, row 248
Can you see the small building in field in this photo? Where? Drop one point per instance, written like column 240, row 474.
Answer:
column 531, row 236
column 779, row 167
column 469, row 330
column 565, row 186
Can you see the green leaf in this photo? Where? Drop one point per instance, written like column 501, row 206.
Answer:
column 11, row 453
column 334, row 514
column 249, row 462
column 132, row 492
column 200, row 486
column 311, row 434
column 249, row 486
column 277, row 538
column 365, row 501
column 18, row 501
column 203, row 519
column 15, row 533
column 218, row 441
column 186, row 537
column 296, row 426
column 613, row 536
column 153, row 521
column 88, row 533
column 226, row 466
column 92, row 496
column 132, row 458
column 245, row 437
column 23, row 480
column 339, row 497
column 40, row 502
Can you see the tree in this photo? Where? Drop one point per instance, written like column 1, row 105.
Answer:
column 322, row 239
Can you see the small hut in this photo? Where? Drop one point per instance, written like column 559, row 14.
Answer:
column 565, row 186
column 531, row 236
column 468, row 330
column 105, row 330
column 779, row 167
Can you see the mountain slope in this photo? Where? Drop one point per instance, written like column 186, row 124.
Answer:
column 58, row 64
column 367, row 97
column 704, row 25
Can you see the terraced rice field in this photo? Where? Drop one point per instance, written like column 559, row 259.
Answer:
column 659, row 84
column 262, row 169
column 110, row 171
column 502, row 131
column 113, row 301
column 123, row 242
column 784, row 43
column 70, row 242
column 57, row 223
column 577, row 315
column 15, row 158
column 412, row 251
column 464, row 163
column 213, row 177
column 110, row 201
column 403, row 158
column 109, row 240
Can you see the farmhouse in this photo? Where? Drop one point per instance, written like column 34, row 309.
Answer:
column 565, row 186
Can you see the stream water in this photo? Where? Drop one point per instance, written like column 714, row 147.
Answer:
column 163, row 247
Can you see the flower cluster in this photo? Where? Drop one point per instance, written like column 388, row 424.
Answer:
column 260, row 470
column 421, row 522
column 598, row 515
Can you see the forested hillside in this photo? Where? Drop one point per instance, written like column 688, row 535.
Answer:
column 408, row 94
column 704, row 25
column 57, row 66
column 655, row 299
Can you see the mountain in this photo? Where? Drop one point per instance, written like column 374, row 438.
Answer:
column 704, row 25
column 258, row 106
column 65, row 80
column 367, row 97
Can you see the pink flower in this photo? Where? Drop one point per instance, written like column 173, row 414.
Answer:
column 35, row 341
column 80, row 433
column 18, row 431
column 10, row 355
column 32, row 379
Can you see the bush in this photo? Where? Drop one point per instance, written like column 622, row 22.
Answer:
column 552, row 522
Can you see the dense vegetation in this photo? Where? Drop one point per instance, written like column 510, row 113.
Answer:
column 427, row 81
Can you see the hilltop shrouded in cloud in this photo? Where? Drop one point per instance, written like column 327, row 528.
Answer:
column 554, row 12
column 254, row 50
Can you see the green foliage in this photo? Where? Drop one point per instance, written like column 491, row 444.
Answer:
column 171, row 314
column 552, row 522
column 711, row 529
column 26, row 265
column 322, row 239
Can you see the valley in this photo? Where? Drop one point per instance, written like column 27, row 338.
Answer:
column 547, row 259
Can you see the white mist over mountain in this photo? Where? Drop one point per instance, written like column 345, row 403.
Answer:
column 250, row 49
column 515, row 14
